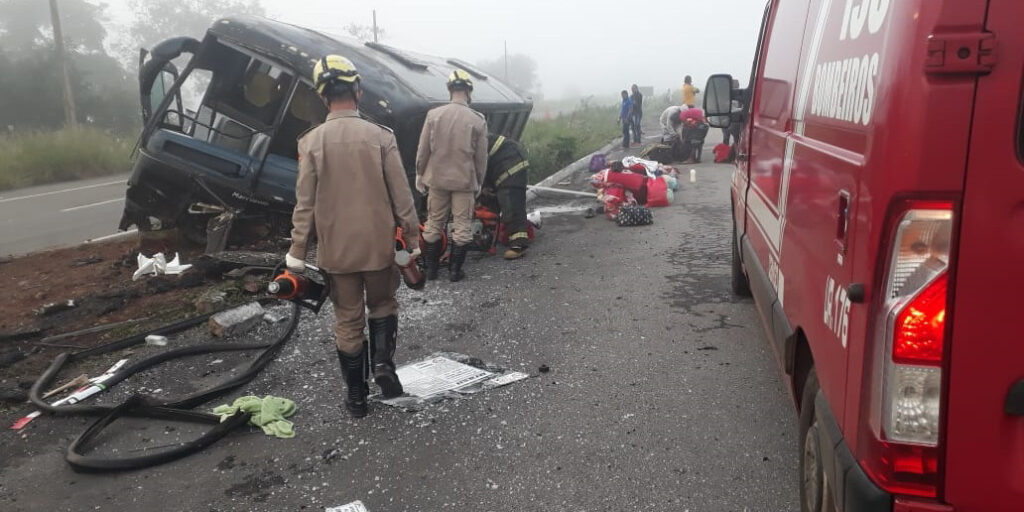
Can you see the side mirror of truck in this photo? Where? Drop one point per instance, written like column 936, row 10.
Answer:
column 718, row 100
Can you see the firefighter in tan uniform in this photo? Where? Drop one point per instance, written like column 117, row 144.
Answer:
column 450, row 166
column 352, row 191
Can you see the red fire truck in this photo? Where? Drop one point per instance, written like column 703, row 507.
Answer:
column 878, row 206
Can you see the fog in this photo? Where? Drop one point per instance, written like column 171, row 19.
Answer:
column 581, row 47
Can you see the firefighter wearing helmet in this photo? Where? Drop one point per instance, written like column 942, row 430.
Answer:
column 451, row 163
column 353, row 208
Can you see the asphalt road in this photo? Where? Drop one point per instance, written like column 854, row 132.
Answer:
column 63, row 214
column 662, row 395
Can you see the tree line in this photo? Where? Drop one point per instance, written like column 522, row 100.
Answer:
column 101, row 68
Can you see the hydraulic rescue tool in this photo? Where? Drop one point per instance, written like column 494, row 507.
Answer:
column 309, row 289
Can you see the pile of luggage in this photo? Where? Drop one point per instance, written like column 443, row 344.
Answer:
column 632, row 185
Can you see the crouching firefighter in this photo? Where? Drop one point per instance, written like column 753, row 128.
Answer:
column 352, row 190
column 451, row 162
column 505, row 184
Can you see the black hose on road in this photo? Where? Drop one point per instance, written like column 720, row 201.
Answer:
column 143, row 406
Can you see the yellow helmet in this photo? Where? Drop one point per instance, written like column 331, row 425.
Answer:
column 334, row 68
column 460, row 79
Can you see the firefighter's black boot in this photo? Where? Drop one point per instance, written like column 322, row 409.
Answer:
column 353, row 371
column 383, row 339
column 517, row 246
column 455, row 263
column 432, row 258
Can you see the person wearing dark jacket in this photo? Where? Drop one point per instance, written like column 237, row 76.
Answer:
column 505, row 182
column 638, row 113
column 626, row 117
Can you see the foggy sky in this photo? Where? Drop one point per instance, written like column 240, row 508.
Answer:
column 581, row 47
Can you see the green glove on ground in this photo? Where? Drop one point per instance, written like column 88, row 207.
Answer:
column 268, row 413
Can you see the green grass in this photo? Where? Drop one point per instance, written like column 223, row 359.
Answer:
column 37, row 158
column 557, row 142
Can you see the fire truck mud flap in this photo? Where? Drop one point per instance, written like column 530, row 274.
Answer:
column 851, row 488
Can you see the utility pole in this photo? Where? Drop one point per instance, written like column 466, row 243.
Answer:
column 375, row 25
column 58, row 42
column 506, row 61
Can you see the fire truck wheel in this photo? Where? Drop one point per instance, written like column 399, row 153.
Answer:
column 740, row 283
column 812, row 480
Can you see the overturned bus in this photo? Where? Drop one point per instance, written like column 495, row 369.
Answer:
column 219, row 142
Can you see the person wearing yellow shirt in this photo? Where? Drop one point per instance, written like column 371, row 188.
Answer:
column 689, row 92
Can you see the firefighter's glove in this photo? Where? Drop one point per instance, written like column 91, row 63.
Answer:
column 420, row 186
column 294, row 264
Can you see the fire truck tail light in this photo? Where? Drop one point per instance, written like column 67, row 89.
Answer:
column 902, row 454
column 920, row 326
column 914, row 402
column 921, row 250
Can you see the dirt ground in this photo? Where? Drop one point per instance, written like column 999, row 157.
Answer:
column 98, row 279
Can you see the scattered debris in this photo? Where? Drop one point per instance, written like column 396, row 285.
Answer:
column 158, row 265
column 504, row 380
column 210, row 301
column 447, row 375
column 155, row 340
column 253, row 283
column 95, row 386
column 355, row 506
column 708, row 347
column 76, row 382
column 236, row 321
column 81, row 262
column 10, row 357
column 24, row 334
column 90, row 330
column 438, row 375
column 544, row 368
column 14, row 396
column 273, row 317
column 56, row 307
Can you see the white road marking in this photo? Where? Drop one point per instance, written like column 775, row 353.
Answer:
column 101, row 203
column 74, row 189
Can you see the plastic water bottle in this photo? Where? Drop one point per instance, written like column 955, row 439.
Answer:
column 693, row 175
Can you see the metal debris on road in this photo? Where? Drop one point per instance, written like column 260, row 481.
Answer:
column 95, row 386
column 355, row 506
column 447, row 375
column 79, row 381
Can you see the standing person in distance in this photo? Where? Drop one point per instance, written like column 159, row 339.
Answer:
column 689, row 92
column 352, row 191
column 638, row 114
column 626, row 118
column 451, row 163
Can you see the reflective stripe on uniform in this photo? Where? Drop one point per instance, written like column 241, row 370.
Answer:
column 497, row 145
column 512, row 171
column 517, row 236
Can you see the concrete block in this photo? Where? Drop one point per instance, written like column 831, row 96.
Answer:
column 236, row 321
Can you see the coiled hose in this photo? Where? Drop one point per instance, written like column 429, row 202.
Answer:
column 143, row 406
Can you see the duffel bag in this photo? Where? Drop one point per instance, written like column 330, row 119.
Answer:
column 634, row 215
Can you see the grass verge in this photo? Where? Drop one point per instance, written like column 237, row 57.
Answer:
column 38, row 158
column 559, row 141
